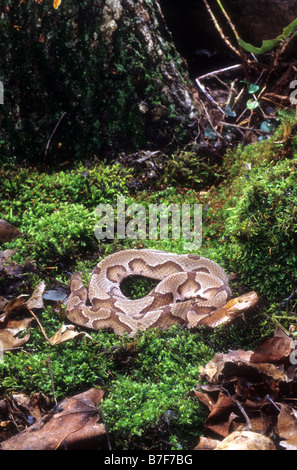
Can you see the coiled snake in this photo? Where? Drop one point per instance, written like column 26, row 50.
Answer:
column 192, row 291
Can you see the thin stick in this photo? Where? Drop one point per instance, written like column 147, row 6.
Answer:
column 107, row 434
column 216, row 72
column 202, row 88
column 52, row 379
column 219, row 29
column 239, row 407
column 210, row 121
column 41, row 327
column 228, row 19
column 227, row 124
column 52, row 135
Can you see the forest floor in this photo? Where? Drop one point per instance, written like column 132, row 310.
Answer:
column 154, row 388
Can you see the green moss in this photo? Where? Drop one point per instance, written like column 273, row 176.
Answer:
column 55, row 212
column 262, row 230
column 249, row 226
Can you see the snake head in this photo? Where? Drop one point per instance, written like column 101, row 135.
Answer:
column 242, row 303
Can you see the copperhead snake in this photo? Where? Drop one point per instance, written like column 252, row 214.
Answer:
column 192, row 291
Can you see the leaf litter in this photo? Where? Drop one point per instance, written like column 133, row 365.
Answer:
column 250, row 395
column 251, row 398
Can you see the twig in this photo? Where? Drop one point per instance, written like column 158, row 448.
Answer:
column 52, row 379
column 219, row 29
column 52, row 135
column 216, row 72
column 227, row 124
column 273, row 403
column 202, row 88
column 41, row 327
column 228, row 19
column 240, row 408
column 107, row 434
column 210, row 121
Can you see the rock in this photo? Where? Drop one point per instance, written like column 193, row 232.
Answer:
column 246, row 440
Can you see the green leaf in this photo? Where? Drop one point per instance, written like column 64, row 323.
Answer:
column 253, row 88
column 210, row 133
column 229, row 111
column 252, row 104
column 269, row 44
column 267, row 126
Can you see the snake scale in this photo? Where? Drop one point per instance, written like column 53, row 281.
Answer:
column 192, row 291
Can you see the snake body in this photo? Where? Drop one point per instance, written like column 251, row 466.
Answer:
column 192, row 291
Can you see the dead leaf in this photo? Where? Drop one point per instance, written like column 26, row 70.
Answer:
column 9, row 328
column 252, row 392
column 9, row 341
column 73, row 424
column 14, row 269
column 67, row 333
column 31, row 407
column 206, row 443
column 205, row 398
column 287, row 427
column 275, row 350
column 5, row 256
column 218, row 420
column 8, row 232
column 36, row 299
column 3, row 302
column 215, row 369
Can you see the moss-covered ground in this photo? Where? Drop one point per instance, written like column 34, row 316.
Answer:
column 249, row 227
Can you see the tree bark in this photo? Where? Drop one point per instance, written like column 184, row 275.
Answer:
column 109, row 65
column 163, row 97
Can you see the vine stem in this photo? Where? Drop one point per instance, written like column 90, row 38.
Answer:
column 219, row 29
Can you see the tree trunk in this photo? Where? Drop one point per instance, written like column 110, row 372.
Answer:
column 110, row 65
column 141, row 55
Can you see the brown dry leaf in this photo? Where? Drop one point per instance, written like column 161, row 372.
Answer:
column 36, row 299
column 14, row 269
column 5, row 256
column 67, row 333
column 206, row 443
column 237, row 364
column 8, row 232
column 219, row 420
column 246, row 440
column 287, row 427
column 10, row 341
column 73, row 424
column 214, row 370
column 3, row 302
column 9, row 328
column 275, row 350
column 205, row 398
column 22, row 409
